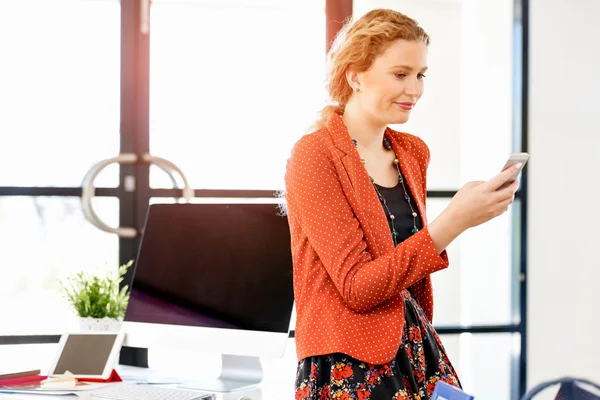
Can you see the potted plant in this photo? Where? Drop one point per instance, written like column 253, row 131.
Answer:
column 97, row 300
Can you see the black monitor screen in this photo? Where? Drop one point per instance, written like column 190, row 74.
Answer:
column 214, row 265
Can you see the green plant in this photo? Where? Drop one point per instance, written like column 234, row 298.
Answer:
column 97, row 297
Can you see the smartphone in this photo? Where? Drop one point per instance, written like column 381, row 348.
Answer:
column 514, row 158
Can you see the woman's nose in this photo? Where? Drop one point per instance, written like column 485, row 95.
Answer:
column 413, row 89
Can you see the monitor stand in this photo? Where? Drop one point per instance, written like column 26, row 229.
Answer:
column 237, row 372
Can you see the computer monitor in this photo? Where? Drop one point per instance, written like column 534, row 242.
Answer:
column 214, row 278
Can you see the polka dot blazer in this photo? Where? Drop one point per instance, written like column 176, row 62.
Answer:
column 348, row 276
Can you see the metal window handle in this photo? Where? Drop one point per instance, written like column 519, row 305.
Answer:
column 89, row 191
column 169, row 167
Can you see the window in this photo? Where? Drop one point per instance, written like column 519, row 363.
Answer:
column 48, row 237
column 476, row 288
column 485, row 362
column 60, row 102
column 60, row 90
column 232, row 86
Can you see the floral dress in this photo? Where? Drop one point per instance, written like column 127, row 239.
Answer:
column 420, row 362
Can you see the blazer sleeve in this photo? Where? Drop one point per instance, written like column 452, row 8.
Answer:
column 316, row 201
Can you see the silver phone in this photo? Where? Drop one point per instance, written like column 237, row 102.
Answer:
column 514, row 158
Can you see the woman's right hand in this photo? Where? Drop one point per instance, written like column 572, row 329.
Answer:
column 479, row 202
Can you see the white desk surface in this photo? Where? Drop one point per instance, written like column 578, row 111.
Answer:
column 257, row 394
column 254, row 395
column 263, row 391
column 275, row 386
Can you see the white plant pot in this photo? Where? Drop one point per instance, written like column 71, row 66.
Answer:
column 89, row 324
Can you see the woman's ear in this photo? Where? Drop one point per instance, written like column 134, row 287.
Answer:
column 353, row 80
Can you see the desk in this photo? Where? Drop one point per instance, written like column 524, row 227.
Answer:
column 273, row 387
column 267, row 390
column 264, row 391
column 226, row 396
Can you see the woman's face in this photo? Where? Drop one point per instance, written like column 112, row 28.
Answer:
column 390, row 89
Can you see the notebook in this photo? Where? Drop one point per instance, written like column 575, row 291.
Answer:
column 20, row 377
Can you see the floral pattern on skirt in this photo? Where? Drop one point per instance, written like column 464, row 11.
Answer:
column 420, row 363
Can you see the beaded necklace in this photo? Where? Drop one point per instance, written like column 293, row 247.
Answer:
column 388, row 146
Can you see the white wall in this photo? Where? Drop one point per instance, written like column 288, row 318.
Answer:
column 564, row 204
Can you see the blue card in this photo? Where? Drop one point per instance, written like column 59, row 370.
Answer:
column 444, row 391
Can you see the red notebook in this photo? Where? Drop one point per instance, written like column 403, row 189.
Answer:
column 19, row 378
column 19, row 374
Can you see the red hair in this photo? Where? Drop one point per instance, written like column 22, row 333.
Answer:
column 357, row 45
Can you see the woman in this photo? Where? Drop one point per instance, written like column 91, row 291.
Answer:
column 363, row 250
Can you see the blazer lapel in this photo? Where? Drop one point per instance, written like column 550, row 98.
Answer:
column 359, row 190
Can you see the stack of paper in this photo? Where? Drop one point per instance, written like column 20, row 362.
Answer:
column 64, row 382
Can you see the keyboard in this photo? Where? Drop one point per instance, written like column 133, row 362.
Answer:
column 147, row 392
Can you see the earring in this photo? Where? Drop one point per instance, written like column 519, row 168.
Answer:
column 357, row 90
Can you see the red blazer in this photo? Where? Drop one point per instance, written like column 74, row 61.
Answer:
column 348, row 276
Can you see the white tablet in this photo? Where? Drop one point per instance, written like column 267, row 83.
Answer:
column 87, row 355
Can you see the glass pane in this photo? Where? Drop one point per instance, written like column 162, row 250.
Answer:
column 43, row 239
column 465, row 114
column 476, row 288
column 483, row 362
column 227, row 111
column 60, row 90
